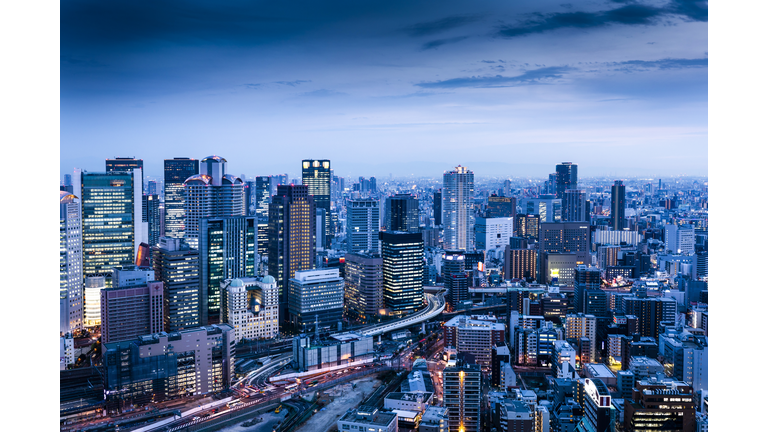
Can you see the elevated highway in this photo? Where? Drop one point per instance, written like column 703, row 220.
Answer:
column 435, row 306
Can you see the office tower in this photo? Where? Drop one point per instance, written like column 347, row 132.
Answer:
column 455, row 278
column 92, row 302
column 660, row 404
column 474, row 336
column 363, row 226
column 125, row 164
column 250, row 199
column 70, row 264
column 618, row 205
column 493, row 233
column 402, row 213
column 583, row 326
column 462, row 394
column 437, row 207
column 292, row 230
column 67, row 179
column 575, row 207
column 131, row 311
column 585, row 279
column 250, row 305
column 364, row 286
column 175, row 172
column 315, row 297
column 508, row 188
column 211, row 194
column 152, row 187
column 521, row 264
column 650, row 312
column 595, row 400
column 150, row 213
column 566, row 178
column 177, row 266
column 701, row 261
column 527, row 226
column 316, row 175
column 560, row 237
column 501, row 207
column 403, row 267
column 262, row 238
column 680, row 239
column 608, row 256
column 111, row 219
column 458, row 208
column 547, row 207
column 319, row 234
column 559, row 268
column 161, row 366
column 227, row 251
column 262, row 194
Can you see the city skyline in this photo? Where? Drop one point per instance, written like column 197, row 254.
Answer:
column 514, row 83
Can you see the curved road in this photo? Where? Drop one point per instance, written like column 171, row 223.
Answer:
column 435, row 306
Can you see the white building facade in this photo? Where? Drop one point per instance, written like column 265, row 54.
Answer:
column 251, row 307
column 458, row 208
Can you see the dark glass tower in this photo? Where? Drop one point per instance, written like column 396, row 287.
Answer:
column 176, row 170
column 403, row 266
column 618, row 205
column 178, row 267
column 501, row 207
column 316, row 175
column 575, row 206
column 437, row 207
column 261, row 195
column 150, row 213
column 126, row 164
column 402, row 213
column 566, row 176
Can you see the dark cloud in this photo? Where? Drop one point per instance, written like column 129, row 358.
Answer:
column 630, row 14
column 668, row 63
column 534, row 76
column 488, row 61
column 441, row 25
column 440, row 42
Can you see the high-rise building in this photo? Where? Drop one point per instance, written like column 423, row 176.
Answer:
column 474, row 335
column 566, row 178
column 177, row 266
column 364, row 286
column 176, row 171
column 618, row 205
column 70, row 264
column 250, row 305
column 595, row 400
column 292, row 230
column 363, row 226
column 527, row 226
column 92, row 302
column 585, row 279
column 316, row 175
column 455, row 278
column 227, row 251
column 547, row 207
column 211, row 194
column 152, row 187
column 262, row 194
column 437, row 207
column 492, row 234
column 315, row 297
column 680, row 239
column 126, row 164
column 664, row 404
column 501, row 207
column 150, row 214
column 402, row 213
column 650, row 313
column 560, row 237
column 583, row 326
column 131, row 311
column 521, row 264
column 462, row 395
column 575, row 207
column 111, row 219
column 403, row 267
column 458, row 208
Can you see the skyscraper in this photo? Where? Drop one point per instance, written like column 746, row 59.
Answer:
column 291, row 232
column 211, row 194
column 501, row 207
column 363, row 226
column 262, row 194
column 176, row 171
column 227, row 251
column 618, row 205
column 402, row 213
column 403, row 268
column 70, row 263
column 455, row 277
column 437, row 207
column 177, row 266
column 587, row 292
column 364, row 286
column 458, row 208
column 126, row 164
column 316, row 175
column 566, row 178
column 315, row 296
column 462, row 395
column 111, row 218
column 575, row 206
column 564, row 237
column 150, row 214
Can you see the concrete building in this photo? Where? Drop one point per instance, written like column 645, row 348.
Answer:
column 563, row 237
column 521, row 264
column 66, row 351
column 583, row 326
column 474, row 335
column 315, row 296
column 595, row 399
column 364, row 286
column 559, row 268
column 644, row 367
column 250, row 306
column 367, row 418
column 615, row 238
column 680, row 239
column 93, row 287
column 70, row 264
column 566, row 177
column 618, row 205
column 457, row 207
column 434, row 419
column 363, row 226
column 162, row 366
column 177, row 266
column 601, row 372
column 415, row 402
column 660, row 404
column 515, row 416
column 575, row 207
column 493, row 233
column 132, row 311
column 347, row 349
column 462, row 395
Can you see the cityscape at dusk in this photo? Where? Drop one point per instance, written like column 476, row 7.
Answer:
column 402, row 216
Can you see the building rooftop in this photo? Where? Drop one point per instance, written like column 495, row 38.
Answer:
column 370, row 415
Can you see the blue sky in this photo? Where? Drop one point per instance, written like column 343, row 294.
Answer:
column 506, row 88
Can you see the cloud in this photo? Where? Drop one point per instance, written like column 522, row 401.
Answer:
column 440, row 42
column 441, row 25
column 630, row 14
column 668, row 63
column 322, row 93
column 293, row 83
column 534, row 76
column 253, row 86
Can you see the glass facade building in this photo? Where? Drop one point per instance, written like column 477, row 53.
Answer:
column 402, row 213
column 176, row 171
column 316, row 175
column 177, row 266
column 403, row 267
column 363, row 226
column 458, row 209
column 70, row 263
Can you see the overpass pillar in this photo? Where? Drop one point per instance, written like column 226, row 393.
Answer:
column 423, row 327
column 379, row 338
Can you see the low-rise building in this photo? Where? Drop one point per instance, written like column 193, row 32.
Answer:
column 662, row 404
column 434, row 419
column 368, row 419
column 644, row 367
column 338, row 350
column 417, row 401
